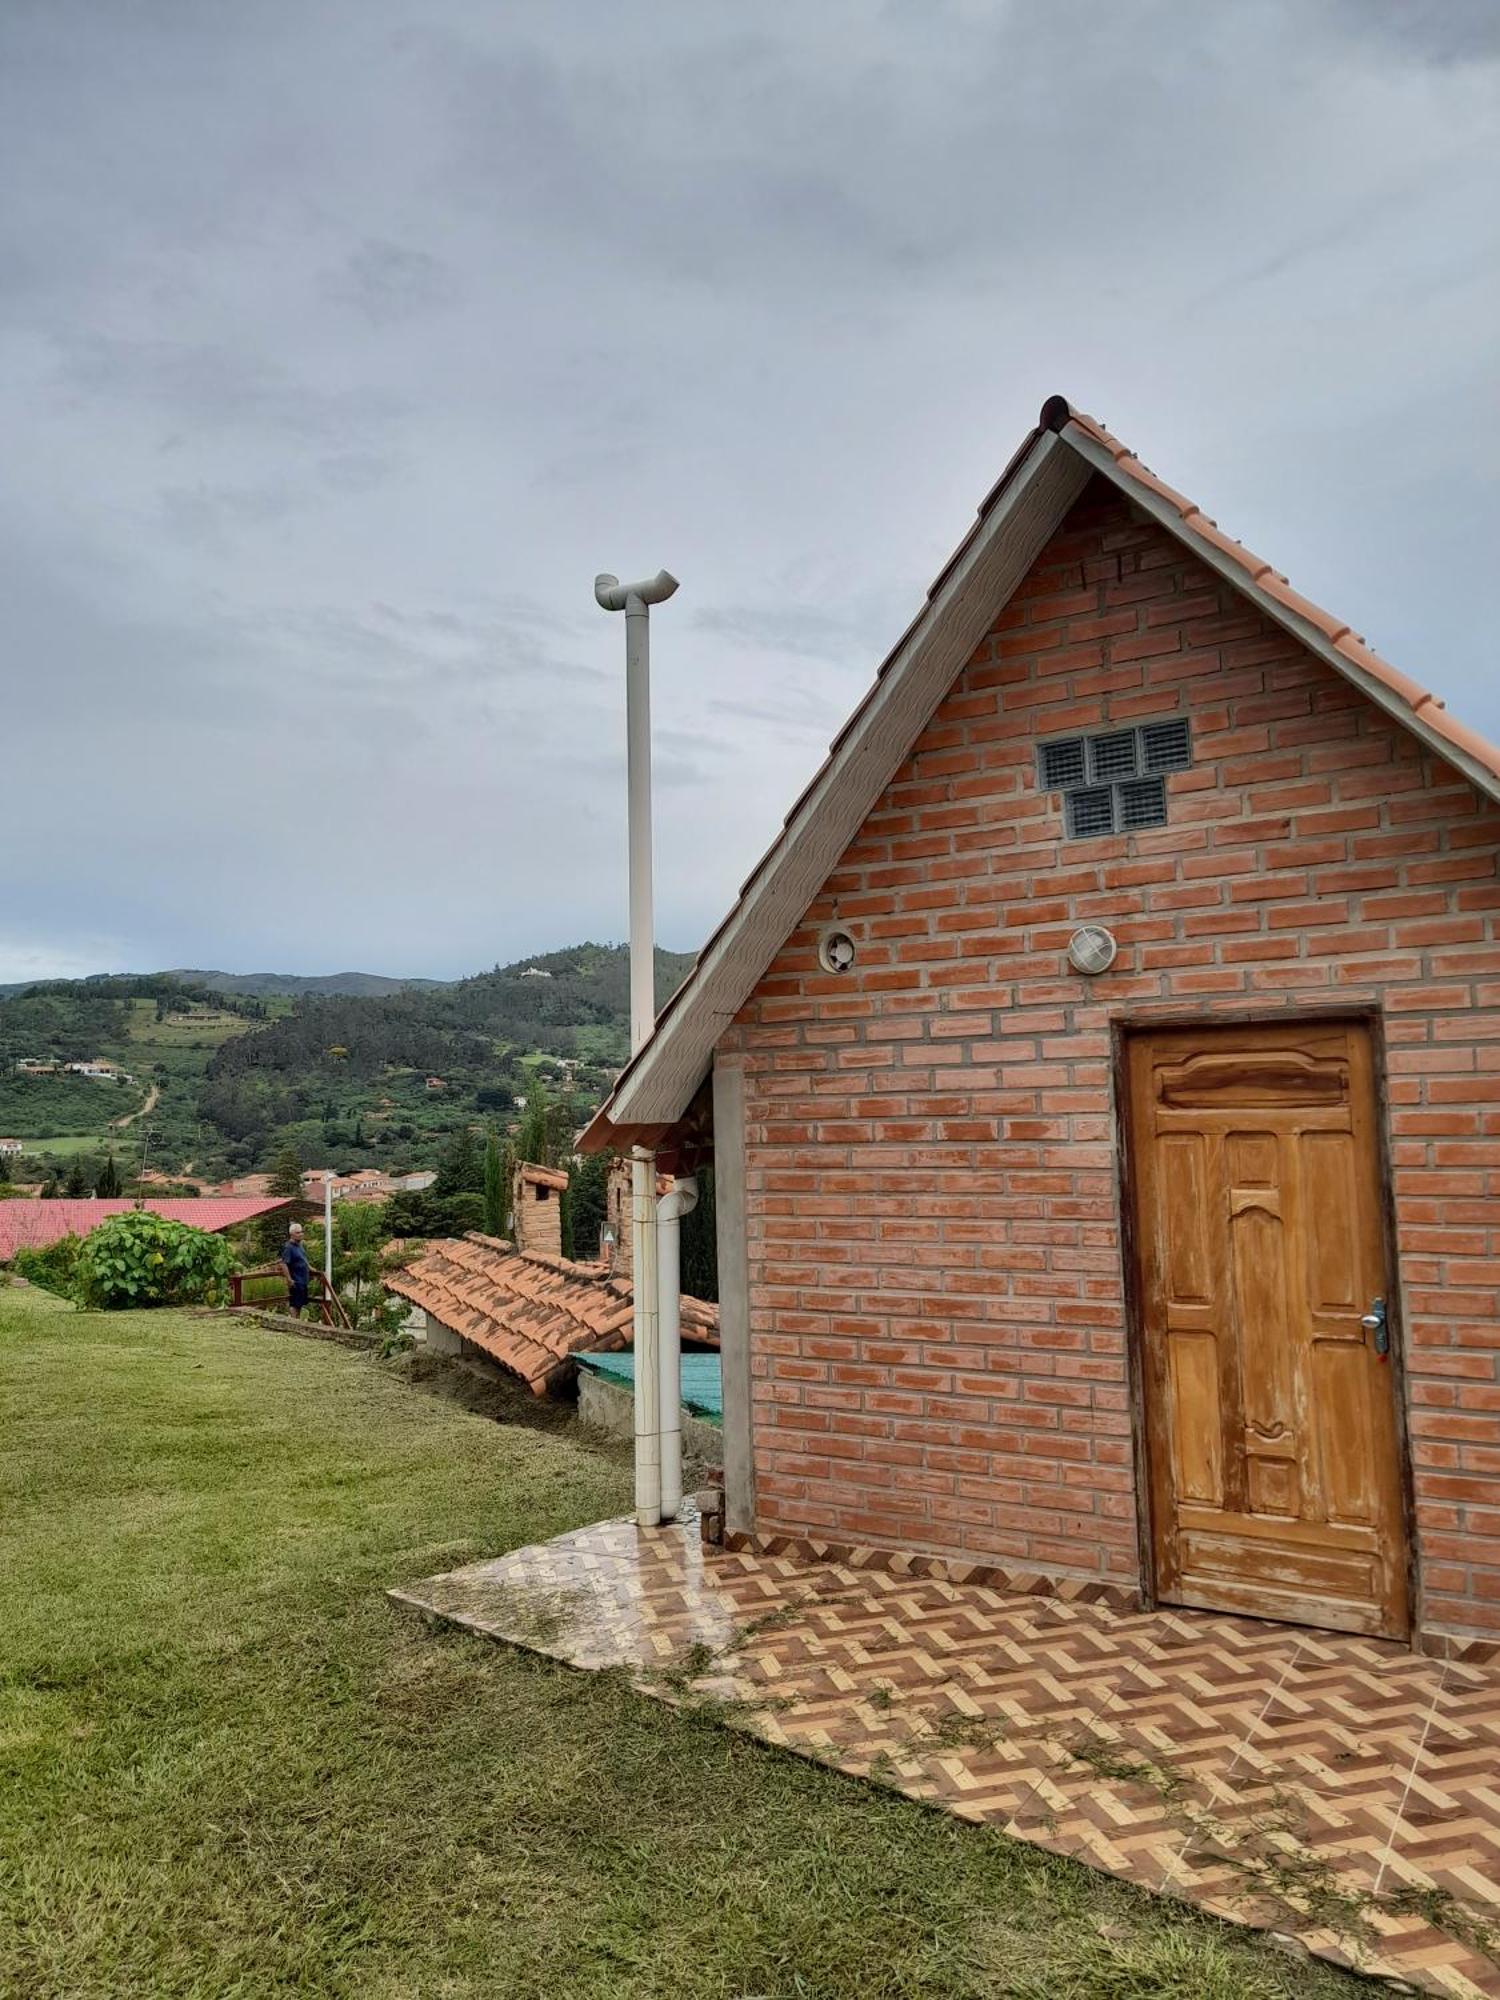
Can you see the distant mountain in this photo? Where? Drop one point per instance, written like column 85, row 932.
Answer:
column 259, row 985
column 289, row 985
column 352, row 1068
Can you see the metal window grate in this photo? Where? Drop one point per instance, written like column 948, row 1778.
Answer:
column 1165, row 746
column 1143, row 802
column 1091, row 811
column 1063, row 764
column 1113, row 756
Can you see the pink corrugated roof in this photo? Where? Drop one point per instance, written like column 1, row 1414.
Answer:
column 31, row 1224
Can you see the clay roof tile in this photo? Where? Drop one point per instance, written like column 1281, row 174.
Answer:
column 530, row 1314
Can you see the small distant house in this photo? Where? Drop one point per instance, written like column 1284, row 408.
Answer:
column 36, row 1066
column 11, row 1147
column 436, row 1083
column 523, row 1305
column 536, row 972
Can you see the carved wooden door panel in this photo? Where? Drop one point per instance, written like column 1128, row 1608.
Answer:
column 1273, row 1449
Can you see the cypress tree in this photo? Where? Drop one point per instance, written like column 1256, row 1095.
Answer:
column 461, row 1170
column 494, row 1187
column 286, row 1175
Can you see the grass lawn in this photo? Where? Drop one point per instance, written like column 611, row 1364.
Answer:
column 229, row 1768
column 66, row 1145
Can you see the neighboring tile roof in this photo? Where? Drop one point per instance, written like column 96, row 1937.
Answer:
column 1043, row 478
column 531, row 1314
column 33, row 1224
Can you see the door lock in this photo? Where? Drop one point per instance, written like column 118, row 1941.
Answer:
column 1375, row 1319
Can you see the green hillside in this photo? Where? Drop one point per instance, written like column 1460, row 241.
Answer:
column 221, row 1080
column 292, row 985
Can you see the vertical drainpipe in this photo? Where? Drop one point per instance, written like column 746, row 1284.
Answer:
column 635, row 600
column 679, row 1200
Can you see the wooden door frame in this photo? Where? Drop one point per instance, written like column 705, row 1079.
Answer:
column 1159, row 1018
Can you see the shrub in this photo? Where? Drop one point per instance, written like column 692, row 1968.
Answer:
column 55, row 1268
column 141, row 1259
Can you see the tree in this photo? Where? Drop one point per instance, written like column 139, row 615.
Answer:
column 76, row 1186
column 546, row 1128
column 286, row 1185
column 108, row 1186
column 700, row 1249
column 141, row 1259
column 583, row 1205
column 286, row 1175
column 4, row 1169
column 494, row 1187
column 461, row 1170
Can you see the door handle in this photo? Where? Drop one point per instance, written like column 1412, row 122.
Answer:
column 1375, row 1319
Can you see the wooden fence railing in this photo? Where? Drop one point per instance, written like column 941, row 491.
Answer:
column 265, row 1291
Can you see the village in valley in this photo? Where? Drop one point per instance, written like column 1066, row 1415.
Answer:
column 915, row 1414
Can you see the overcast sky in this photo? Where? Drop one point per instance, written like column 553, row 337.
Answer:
column 341, row 344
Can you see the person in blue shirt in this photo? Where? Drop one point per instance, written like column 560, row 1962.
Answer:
column 298, row 1271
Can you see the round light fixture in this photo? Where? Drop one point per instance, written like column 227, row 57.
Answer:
column 836, row 951
column 1092, row 949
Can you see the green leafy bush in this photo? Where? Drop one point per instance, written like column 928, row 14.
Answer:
column 141, row 1259
column 55, row 1269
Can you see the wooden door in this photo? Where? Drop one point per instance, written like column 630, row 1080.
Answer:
column 1270, row 1411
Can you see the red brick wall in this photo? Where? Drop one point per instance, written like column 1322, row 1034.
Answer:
column 937, row 1315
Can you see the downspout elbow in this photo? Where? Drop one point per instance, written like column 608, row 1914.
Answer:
column 680, row 1199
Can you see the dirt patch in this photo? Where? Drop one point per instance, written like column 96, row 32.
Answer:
column 489, row 1392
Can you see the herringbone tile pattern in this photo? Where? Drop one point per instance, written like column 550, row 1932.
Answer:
column 1338, row 1788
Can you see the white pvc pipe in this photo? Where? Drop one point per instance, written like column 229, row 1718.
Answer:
column 328, row 1236
column 646, row 1330
column 680, row 1200
column 635, row 600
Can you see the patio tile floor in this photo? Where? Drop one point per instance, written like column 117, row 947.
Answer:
column 1339, row 1789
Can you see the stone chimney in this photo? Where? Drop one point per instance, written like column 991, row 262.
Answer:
column 536, row 1210
column 618, row 1210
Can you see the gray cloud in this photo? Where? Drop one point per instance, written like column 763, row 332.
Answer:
column 340, row 346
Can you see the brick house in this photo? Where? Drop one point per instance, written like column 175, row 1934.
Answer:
column 1102, row 1077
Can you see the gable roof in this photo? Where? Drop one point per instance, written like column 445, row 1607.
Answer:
column 33, row 1224
column 1016, row 518
column 532, row 1314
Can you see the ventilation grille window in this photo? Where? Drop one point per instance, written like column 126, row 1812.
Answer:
column 1165, row 746
column 1143, row 802
column 1113, row 756
column 1113, row 782
column 1091, row 810
column 1064, row 764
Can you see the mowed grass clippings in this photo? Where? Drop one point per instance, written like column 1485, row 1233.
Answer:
column 231, row 1769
